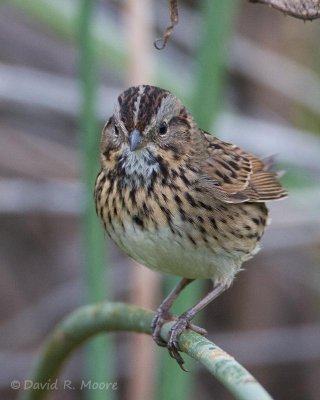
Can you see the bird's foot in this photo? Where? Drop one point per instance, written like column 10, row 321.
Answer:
column 173, row 345
column 181, row 324
column 159, row 319
column 162, row 317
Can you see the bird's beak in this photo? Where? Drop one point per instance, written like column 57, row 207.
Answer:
column 135, row 139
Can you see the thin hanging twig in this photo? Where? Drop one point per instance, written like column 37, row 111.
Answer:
column 160, row 44
column 301, row 9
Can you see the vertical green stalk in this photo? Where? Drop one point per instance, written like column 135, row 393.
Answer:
column 210, row 79
column 217, row 19
column 99, row 359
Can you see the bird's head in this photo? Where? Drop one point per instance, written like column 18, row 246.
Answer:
column 149, row 126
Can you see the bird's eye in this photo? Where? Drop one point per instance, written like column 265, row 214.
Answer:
column 116, row 131
column 163, row 127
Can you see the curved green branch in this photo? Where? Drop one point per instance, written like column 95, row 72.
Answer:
column 91, row 320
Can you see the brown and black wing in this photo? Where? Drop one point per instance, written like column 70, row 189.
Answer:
column 236, row 176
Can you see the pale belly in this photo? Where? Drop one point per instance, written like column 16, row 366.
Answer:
column 164, row 252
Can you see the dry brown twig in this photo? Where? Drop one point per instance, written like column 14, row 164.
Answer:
column 160, row 44
column 301, row 9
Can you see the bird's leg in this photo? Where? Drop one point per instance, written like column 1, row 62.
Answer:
column 184, row 319
column 162, row 313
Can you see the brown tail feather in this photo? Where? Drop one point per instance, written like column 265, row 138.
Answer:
column 267, row 186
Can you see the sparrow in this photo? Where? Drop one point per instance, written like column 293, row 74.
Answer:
column 179, row 200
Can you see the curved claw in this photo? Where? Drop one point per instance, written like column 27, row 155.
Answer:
column 174, row 353
column 173, row 344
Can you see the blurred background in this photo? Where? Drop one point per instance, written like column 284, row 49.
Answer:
column 248, row 74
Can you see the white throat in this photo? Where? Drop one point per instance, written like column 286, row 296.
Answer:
column 139, row 166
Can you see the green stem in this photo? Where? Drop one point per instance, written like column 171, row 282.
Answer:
column 217, row 23
column 96, row 363
column 91, row 320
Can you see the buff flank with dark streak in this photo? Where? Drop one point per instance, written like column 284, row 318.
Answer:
column 179, row 200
